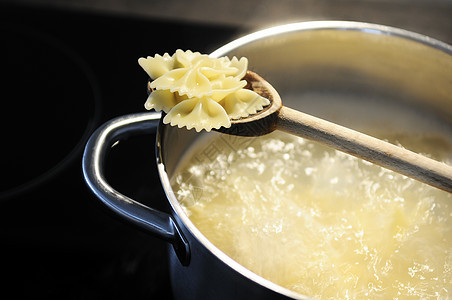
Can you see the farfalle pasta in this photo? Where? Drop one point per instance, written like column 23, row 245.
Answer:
column 198, row 91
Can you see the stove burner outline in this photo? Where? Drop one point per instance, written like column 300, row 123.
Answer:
column 93, row 119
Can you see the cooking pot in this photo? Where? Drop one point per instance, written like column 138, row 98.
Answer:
column 360, row 75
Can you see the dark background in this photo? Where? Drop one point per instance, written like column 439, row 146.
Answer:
column 69, row 66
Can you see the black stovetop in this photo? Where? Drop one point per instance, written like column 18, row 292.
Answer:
column 65, row 73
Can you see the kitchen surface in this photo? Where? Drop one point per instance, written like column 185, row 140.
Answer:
column 69, row 66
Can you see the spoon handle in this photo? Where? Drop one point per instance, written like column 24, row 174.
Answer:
column 379, row 152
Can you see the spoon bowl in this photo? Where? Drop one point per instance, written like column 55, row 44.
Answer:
column 262, row 122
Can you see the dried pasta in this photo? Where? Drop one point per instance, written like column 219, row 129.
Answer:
column 198, row 91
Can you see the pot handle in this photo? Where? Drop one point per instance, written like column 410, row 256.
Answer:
column 159, row 224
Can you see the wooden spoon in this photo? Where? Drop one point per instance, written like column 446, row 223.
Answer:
column 276, row 116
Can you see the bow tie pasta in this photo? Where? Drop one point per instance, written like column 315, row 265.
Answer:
column 198, row 91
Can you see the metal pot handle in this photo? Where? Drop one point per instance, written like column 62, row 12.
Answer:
column 159, row 224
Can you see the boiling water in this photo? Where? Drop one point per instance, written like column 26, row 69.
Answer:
column 318, row 221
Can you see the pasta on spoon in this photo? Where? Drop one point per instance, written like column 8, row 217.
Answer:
column 200, row 92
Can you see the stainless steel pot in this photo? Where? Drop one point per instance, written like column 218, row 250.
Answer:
column 376, row 73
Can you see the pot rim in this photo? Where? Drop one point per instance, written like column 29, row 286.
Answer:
column 247, row 39
column 331, row 25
